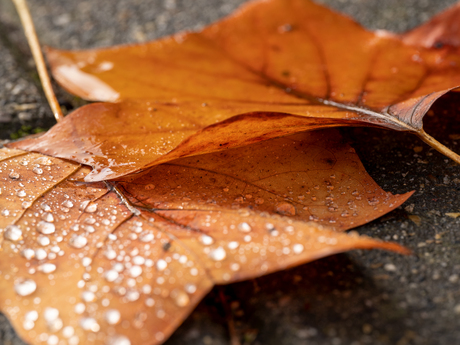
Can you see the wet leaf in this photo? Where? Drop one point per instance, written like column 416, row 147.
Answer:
column 273, row 68
column 125, row 262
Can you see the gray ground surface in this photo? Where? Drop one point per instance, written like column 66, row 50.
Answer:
column 356, row 298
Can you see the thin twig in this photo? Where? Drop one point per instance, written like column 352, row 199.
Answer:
column 32, row 39
column 438, row 146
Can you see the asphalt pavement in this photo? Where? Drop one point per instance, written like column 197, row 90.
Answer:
column 361, row 297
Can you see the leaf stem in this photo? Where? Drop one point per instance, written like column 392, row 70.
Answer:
column 438, row 146
column 32, row 39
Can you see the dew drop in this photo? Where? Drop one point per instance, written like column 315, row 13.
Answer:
column 47, row 268
column 43, row 161
column 91, row 208
column 111, row 275
column 45, row 207
column 233, row 245
column 88, row 296
column 285, row 209
column 67, row 203
column 78, row 241
column 51, row 314
column 68, row 331
column 297, row 248
column 135, row 271
column 21, row 193
column 79, row 308
column 13, row 233
column 40, row 254
column 14, row 175
column 161, row 265
column 28, row 253
column 5, row 213
column 218, row 254
column 47, row 217
column 244, row 227
column 112, row 316
column 206, row 240
column 181, row 298
column 89, row 324
column 45, row 228
column 119, row 340
column 43, row 240
column 25, row 287
column 26, row 204
column 38, row 170
column 190, row 288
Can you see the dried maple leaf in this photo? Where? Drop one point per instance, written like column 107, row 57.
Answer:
column 81, row 264
column 273, row 68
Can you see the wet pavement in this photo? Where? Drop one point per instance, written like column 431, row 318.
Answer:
column 362, row 297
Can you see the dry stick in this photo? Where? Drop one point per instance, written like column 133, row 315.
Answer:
column 437, row 145
column 32, row 39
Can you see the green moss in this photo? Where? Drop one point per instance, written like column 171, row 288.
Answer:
column 26, row 130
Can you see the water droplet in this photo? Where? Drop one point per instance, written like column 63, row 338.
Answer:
column 5, row 213
column 285, row 209
column 91, row 208
column 37, row 170
column 28, row 253
column 88, row 296
column 51, row 314
column 45, row 207
column 161, row 265
column 67, row 203
column 180, row 298
column 138, row 260
column 373, row 201
column 26, row 204
column 31, row 315
column 112, row 316
column 13, row 233
column 14, row 175
column 79, row 308
column 297, row 248
column 233, row 245
column 244, row 227
column 45, row 228
column 21, row 193
column 218, row 254
column 190, row 288
column 47, row 217
column 135, row 271
column 89, row 324
column 206, row 240
column 47, row 268
column 111, row 275
column 68, row 331
column 78, row 241
column 43, row 161
column 119, row 340
column 147, row 237
column 345, row 214
column 25, row 287
column 313, row 198
column 40, row 254
column 43, row 240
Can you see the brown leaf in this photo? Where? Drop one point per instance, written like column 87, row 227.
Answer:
column 82, row 265
column 441, row 31
column 273, row 68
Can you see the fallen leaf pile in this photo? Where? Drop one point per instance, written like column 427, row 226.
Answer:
column 186, row 191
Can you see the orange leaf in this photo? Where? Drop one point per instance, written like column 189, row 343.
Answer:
column 273, row 68
column 82, row 264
